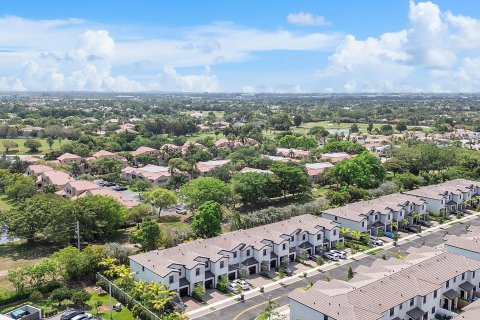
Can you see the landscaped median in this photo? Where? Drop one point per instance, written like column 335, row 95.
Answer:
column 328, row 266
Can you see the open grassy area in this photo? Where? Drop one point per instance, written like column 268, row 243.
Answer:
column 22, row 150
column 18, row 253
column 199, row 136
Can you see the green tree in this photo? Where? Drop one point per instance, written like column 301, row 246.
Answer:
column 208, row 220
column 144, row 159
column 342, row 146
column 9, row 144
column 73, row 263
column 106, row 165
column 148, row 235
column 350, row 274
column 407, row 181
column 319, row 132
column 19, row 186
column 297, row 120
column 253, row 187
column 291, row 177
column 396, row 165
column 203, row 189
column 269, row 311
column 198, row 291
column 401, row 126
column 36, row 217
column 354, row 128
column 33, row 145
column 50, row 142
column 60, row 294
column 80, row 297
column 222, row 283
column 140, row 185
column 160, row 198
column 139, row 213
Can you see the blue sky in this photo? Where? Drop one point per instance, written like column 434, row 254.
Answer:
column 240, row 46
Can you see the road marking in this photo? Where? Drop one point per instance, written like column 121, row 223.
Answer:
column 253, row 307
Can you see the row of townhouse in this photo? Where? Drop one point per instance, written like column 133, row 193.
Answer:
column 428, row 282
column 384, row 212
column 250, row 251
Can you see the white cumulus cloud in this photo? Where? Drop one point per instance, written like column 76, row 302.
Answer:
column 307, row 19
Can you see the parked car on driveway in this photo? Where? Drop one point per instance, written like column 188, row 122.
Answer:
column 412, row 228
column 84, row 316
column 341, row 253
column 315, row 257
column 180, row 210
column 232, row 287
column 119, row 188
column 70, row 314
column 287, row 271
column 390, row 235
column 331, row 256
column 375, row 241
column 425, row 223
column 242, row 283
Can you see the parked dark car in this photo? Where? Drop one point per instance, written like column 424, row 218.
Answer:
column 119, row 188
column 412, row 228
column 425, row 223
column 288, row 271
column 70, row 314
column 108, row 184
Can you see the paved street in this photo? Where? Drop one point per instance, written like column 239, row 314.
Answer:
column 249, row 309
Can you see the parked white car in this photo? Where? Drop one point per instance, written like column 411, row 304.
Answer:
column 331, row 256
column 376, row 242
column 242, row 283
column 85, row 316
column 341, row 253
column 232, row 287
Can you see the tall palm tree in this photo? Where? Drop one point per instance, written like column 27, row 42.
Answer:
column 415, row 216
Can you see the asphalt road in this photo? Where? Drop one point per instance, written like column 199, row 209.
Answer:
column 250, row 309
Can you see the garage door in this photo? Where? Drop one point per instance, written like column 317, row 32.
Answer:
column 209, row 284
column 273, row 263
column 252, row 269
column 231, row 276
column 292, row 257
column 183, row 292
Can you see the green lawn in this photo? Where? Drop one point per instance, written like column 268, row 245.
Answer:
column 22, row 150
column 199, row 136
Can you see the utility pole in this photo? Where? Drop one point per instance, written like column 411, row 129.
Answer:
column 77, row 230
column 110, row 292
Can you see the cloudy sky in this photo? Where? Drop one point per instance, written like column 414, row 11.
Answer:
column 240, row 45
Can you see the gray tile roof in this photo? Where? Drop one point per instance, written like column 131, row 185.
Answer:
column 416, row 313
column 188, row 254
column 386, row 284
column 438, row 190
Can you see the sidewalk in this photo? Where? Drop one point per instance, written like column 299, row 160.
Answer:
column 325, row 267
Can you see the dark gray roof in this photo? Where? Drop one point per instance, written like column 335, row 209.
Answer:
column 416, row 313
column 209, row 274
column 273, row 255
column 378, row 224
column 306, row 245
column 250, row 261
column 451, row 203
column 451, row 294
column 183, row 282
column 233, row 267
column 467, row 286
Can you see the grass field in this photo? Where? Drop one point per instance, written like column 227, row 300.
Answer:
column 22, row 150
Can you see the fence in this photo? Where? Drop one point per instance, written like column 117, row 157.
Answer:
column 125, row 298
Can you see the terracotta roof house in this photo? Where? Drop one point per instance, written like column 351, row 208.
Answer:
column 426, row 283
column 205, row 260
column 107, row 154
column 34, row 170
column 77, row 187
column 189, row 144
column 156, row 175
column 315, row 170
column 206, row 166
column 336, row 156
column 58, row 178
column 247, row 169
column 128, row 203
column 68, row 158
column 293, row 153
column 144, row 150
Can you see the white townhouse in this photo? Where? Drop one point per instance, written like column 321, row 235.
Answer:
column 428, row 282
column 251, row 251
column 449, row 196
column 378, row 214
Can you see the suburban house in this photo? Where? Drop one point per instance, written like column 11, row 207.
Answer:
column 107, row 154
column 225, row 143
column 470, row 312
column 315, row 170
column 467, row 245
column 205, row 167
column 336, row 156
column 449, row 196
column 69, row 158
column 128, row 203
column 280, row 159
column 55, row 177
column 427, row 282
column 378, row 214
column 248, row 169
column 34, row 170
column 189, row 144
column 144, row 150
column 293, row 153
column 156, row 175
column 250, row 251
column 77, row 187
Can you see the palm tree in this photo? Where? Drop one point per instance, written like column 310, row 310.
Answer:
column 404, row 222
column 415, row 216
column 356, row 234
column 345, row 231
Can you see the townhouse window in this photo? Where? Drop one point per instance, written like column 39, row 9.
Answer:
column 463, row 276
column 376, row 217
column 388, row 217
column 143, row 268
column 412, row 301
column 447, row 285
column 222, row 264
column 363, row 224
column 248, row 252
column 264, row 252
column 433, row 310
column 454, row 279
column 292, row 238
column 424, row 299
column 283, row 246
column 303, row 238
column 336, row 218
column 235, row 254
column 335, row 232
column 392, row 311
column 319, row 236
column 473, row 274
column 325, row 317
column 197, row 271
column 400, row 307
column 435, row 293
column 170, row 279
